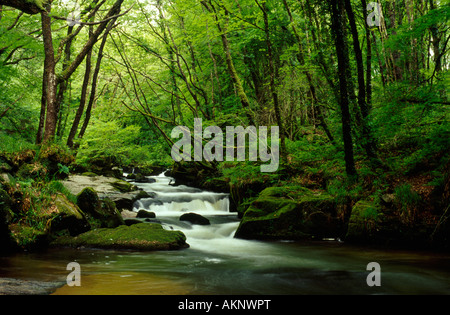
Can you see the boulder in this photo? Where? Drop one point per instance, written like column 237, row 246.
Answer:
column 68, row 217
column 4, row 178
column 145, row 214
column 290, row 213
column 143, row 236
column 373, row 223
column 88, row 201
column 123, row 186
column 104, row 211
column 364, row 222
column 104, row 186
column 194, row 218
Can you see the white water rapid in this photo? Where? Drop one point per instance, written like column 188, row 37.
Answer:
column 169, row 202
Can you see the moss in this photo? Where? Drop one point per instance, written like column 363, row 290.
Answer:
column 102, row 213
column 292, row 192
column 65, row 206
column 88, row 200
column 363, row 222
column 143, row 236
column 29, row 238
column 69, row 217
column 123, row 186
column 276, row 214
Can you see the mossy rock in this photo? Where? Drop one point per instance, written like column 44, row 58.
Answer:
column 292, row 192
column 143, row 236
column 69, row 217
column 103, row 212
column 276, row 214
column 363, row 222
column 56, row 154
column 88, row 200
column 123, row 186
column 109, row 214
column 371, row 223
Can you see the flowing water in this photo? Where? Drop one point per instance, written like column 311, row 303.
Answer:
column 218, row 263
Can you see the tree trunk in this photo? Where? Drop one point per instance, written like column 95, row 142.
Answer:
column 273, row 77
column 309, row 78
column 87, row 116
column 367, row 139
column 27, row 6
column 230, row 64
column 84, row 92
column 340, row 44
column 50, row 82
column 40, row 131
column 436, row 39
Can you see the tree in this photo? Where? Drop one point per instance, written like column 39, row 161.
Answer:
column 51, row 80
column 27, row 6
column 337, row 25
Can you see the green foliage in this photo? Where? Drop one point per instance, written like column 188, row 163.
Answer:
column 109, row 139
column 54, row 187
column 406, row 197
column 11, row 144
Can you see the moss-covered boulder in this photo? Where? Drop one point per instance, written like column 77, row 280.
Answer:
column 364, row 222
column 68, row 217
column 143, row 236
column 103, row 211
column 291, row 212
column 373, row 223
column 123, row 186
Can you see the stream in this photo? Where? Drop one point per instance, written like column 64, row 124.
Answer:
column 217, row 263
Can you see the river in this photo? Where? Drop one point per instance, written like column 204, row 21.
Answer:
column 218, row 263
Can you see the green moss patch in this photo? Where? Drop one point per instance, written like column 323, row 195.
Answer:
column 143, row 236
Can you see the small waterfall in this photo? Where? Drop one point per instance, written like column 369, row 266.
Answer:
column 169, row 202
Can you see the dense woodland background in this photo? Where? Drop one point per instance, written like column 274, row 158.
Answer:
column 363, row 109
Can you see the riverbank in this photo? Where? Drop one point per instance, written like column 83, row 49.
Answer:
column 38, row 215
column 219, row 263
